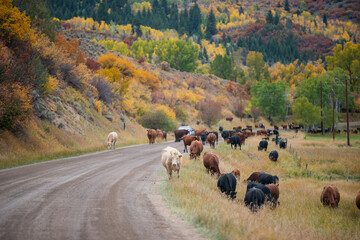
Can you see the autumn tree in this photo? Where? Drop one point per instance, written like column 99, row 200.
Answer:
column 256, row 66
column 210, row 112
column 347, row 58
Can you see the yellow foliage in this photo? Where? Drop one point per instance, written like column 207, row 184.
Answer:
column 98, row 106
column 50, row 85
column 167, row 110
column 189, row 97
column 148, row 79
column 224, row 101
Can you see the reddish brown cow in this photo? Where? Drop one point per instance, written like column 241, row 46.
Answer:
column 179, row 134
column 254, row 177
column 253, row 133
column 330, row 196
column 211, row 163
column 256, row 126
column 197, row 122
column 276, row 127
column 249, row 126
column 247, row 133
column 236, row 173
column 274, row 191
column 357, row 200
column 211, row 139
column 284, row 126
column 237, row 128
column 151, row 133
column 261, row 132
column 187, row 139
column 196, row 147
column 164, row 135
column 229, row 119
column 198, row 132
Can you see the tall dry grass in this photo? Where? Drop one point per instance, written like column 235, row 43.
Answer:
column 300, row 215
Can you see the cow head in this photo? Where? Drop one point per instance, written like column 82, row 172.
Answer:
column 109, row 145
column 176, row 160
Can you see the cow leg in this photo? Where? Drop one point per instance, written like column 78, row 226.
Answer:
column 169, row 172
column 178, row 173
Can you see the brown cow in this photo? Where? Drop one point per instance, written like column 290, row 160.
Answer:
column 196, row 147
column 249, row 126
column 262, row 132
column 330, row 196
column 164, row 135
column 151, row 133
column 229, row 119
column 247, row 133
column 276, row 127
column 159, row 134
column 211, row 163
column 254, row 177
column 284, row 126
column 357, row 200
column 274, row 191
column 197, row 122
column 256, row 126
column 187, row 139
column 198, row 132
column 179, row 134
column 211, row 139
column 236, row 173
column 237, row 128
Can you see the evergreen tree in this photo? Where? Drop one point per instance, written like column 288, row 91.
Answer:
column 174, row 17
column 269, row 17
column 211, row 25
column 222, row 66
column 286, row 6
column 325, row 19
column 195, row 20
column 241, row 10
column 276, row 18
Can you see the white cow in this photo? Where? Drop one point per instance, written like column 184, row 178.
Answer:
column 171, row 159
column 111, row 140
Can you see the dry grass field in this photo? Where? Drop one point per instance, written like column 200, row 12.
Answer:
column 300, row 215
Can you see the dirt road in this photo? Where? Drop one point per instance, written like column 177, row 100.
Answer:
column 107, row 195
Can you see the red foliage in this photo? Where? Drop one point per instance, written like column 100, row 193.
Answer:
column 158, row 97
column 92, row 64
column 129, row 40
column 141, row 60
column 319, row 45
column 66, row 25
column 253, row 28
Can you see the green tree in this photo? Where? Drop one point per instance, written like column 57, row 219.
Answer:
column 269, row 17
column 222, row 66
column 270, row 98
column 157, row 120
column 305, row 112
column 211, row 25
column 256, row 66
column 286, row 6
column 325, row 19
column 347, row 58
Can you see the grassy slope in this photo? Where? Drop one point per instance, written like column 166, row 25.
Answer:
column 300, row 215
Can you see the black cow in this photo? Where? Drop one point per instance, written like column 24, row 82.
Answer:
column 203, row 138
column 262, row 187
column 276, row 132
column 235, row 140
column 266, row 178
column 273, row 155
column 283, row 143
column 226, row 134
column 263, row 145
column 227, row 184
column 254, row 199
column 221, row 129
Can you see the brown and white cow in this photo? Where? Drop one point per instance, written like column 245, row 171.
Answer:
column 171, row 159
column 330, row 196
column 111, row 140
column 211, row 163
column 196, row 148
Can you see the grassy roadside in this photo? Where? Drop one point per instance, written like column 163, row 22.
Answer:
column 300, row 215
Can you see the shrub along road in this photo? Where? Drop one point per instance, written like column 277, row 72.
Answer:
column 106, row 195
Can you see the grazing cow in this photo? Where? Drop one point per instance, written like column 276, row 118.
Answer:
column 256, row 126
column 211, row 139
column 179, row 134
column 330, row 196
column 266, row 178
column 261, row 132
column 284, row 126
column 357, row 200
column 203, row 138
column 229, row 119
column 197, row 122
column 234, row 140
column 227, row 183
column 196, row 148
column 187, row 139
column 211, row 163
column 111, row 140
column 254, row 177
column 263, row 145
column 276, row 132
column 273, row 156
column 236, row 173
column 198, row 132
column 221, row 129
column 254, row 199
column 275, row 192
column 171, row 159
column 266, row 138
column 262, row 187
column 242, row 136
column 276, row 127
column 151, row 134
column 283, row 143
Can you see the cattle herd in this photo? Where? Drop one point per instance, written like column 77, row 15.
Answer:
column 262, row 188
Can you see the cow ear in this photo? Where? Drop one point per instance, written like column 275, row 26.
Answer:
column 180, row 156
